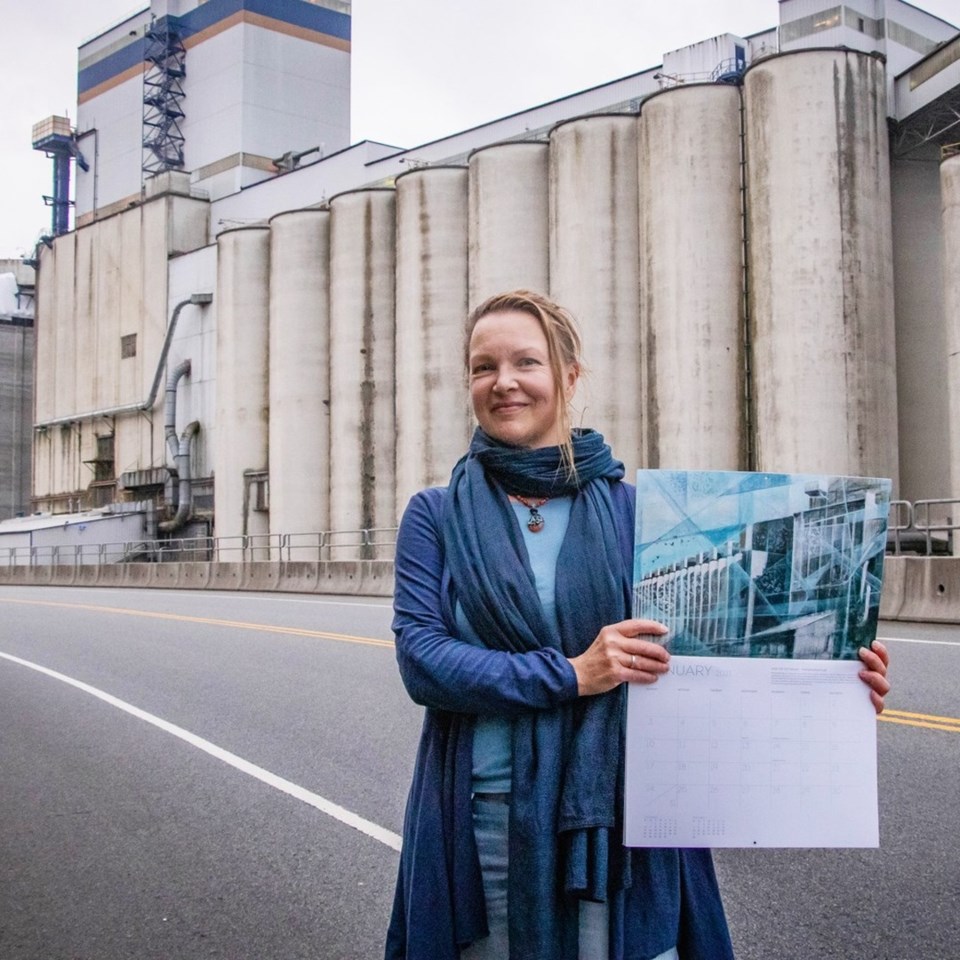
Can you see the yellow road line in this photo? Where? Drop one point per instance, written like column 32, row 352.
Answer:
column 922, row 716
column 235, row 624
column 945, row 727
column 928, row 721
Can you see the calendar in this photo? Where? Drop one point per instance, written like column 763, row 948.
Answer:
column 751, row 752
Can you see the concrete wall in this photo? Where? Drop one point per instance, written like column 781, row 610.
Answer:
column 98, row 285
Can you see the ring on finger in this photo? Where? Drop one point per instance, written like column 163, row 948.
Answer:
column 633, row 661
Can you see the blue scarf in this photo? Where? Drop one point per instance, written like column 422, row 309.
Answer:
column 564, row 814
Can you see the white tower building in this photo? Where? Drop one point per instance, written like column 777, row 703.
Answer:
column 217, row 88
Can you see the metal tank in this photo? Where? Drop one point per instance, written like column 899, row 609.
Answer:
column 691, row 278
column 508, row 219
column 950, row 193
column 434, row 421
column 594, row 265
column 299, row 382
column 241, row 451
column 821, row 265
column 362, row 363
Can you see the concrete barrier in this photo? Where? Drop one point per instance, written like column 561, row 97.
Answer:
column 370, row 578
column 931, row 591
column 891, row 595
column 194, row 575
column 260, row 576
column 914, row 588
column 225, row 576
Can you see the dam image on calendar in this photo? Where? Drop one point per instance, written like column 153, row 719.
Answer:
column 760, row 564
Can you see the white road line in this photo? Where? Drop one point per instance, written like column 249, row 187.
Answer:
column 334, row 810
column 939, row 643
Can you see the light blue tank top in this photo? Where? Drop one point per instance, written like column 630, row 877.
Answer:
column 492, row 746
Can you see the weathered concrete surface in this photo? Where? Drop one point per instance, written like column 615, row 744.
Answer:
column 921, row 588
column 299, row 378
column 363, row 425
column 595, row 265
column 820, row 263
column 434, row 422
column 368, row 578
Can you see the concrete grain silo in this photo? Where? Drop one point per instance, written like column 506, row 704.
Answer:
column 362, row 363
column 434, row 422
column 594, row 263
column 241, row 457
column 821, row 264
column 299, row 384
column 950, row 193
column 509, row 216
column 691, row 278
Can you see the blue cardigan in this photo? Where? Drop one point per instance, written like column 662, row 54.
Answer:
column 439, row 905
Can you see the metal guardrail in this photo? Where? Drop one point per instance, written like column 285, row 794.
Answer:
column 375, row 543
column 924, row 526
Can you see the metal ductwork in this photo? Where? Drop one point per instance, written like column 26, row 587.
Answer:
column 185, row 502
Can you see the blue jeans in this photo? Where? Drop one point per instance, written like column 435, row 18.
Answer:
column 490, row 824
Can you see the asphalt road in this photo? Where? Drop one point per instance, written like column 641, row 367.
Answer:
column 228, row 779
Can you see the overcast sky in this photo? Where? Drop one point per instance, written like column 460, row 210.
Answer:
column 421, row 68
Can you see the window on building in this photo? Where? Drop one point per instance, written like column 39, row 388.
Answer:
column 804, row 26
column 128, row 346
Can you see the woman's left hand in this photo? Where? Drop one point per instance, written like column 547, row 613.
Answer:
column 875, row 660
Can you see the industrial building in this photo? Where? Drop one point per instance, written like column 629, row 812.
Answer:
column 256, row 328
column 16, row 385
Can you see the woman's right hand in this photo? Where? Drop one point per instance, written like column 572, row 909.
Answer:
column 619, row 653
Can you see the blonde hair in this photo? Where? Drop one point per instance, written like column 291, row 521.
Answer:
column 564, row 347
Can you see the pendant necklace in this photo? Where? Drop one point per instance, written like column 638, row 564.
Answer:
column 535, row 521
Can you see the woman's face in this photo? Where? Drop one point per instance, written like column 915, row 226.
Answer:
column 512, row 387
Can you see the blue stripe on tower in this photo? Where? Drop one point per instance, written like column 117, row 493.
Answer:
column 297, row 13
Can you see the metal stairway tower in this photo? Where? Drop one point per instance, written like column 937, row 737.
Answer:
column 163, row 95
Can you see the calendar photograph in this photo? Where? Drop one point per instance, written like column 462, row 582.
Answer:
column 785, row 566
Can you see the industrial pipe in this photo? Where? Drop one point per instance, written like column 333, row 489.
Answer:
column 170, row 407
column 185, row 504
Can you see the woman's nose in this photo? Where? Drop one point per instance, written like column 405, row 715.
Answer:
column 505, row 380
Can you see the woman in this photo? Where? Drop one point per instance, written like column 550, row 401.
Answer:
column 513, row 592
